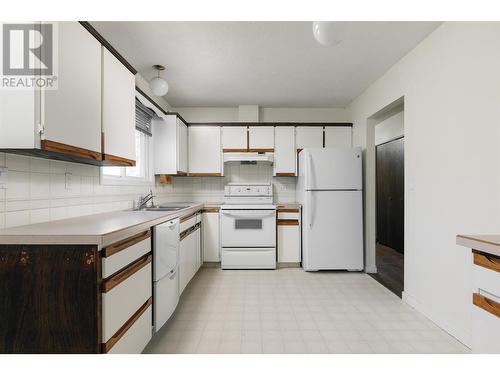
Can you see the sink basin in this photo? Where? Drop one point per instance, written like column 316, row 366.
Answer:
column 163, row 208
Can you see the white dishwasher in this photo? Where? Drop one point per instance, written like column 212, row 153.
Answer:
column 165, row 272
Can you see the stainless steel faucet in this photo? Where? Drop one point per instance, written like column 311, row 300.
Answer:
column 143, row 201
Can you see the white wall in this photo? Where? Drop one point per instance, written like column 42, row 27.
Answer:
column 390, row 128
column 450, row 83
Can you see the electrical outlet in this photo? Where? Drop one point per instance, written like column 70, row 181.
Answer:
column 3, row 177
column 68, row 180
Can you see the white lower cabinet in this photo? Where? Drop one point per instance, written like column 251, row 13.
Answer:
column 189, row 255
column 137, row 336
column 486, row 304
column 289, row 242
column 210, row 235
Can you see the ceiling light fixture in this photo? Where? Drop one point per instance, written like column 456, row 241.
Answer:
column 326, row 32
column 158, row 85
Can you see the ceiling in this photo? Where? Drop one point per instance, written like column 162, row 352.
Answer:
column 272, row 64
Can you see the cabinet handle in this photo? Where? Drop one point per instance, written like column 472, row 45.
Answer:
column 486, row 261
column 123, row 275
column 486, row 304
column 122, row 245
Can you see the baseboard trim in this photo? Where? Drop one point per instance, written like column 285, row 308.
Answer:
column 459, row 334
column 371, row 269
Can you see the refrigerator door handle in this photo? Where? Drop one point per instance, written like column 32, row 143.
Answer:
column 311, row 207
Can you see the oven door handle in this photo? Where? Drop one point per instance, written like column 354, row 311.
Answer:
column 250, row 215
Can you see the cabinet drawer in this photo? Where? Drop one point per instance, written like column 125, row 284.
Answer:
column 121, row 254
column 123, row 294
column 288, row 215
column 485, row 326
column 135, row 335
column 484, row 274
column 187, row 222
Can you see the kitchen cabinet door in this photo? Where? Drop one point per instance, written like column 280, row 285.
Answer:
column 170, row 140
column 118, row 111
column 71, row 115
column 338, row 136
column 261, row 138
column 309, row 136
column 17, row 119
column 205, row 151
column 210, row 237
column 285, row 152
column 183, row 264
column 289, row 243
column 182, row 146
column 234, row 138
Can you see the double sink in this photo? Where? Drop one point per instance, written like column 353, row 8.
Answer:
column 164, row 208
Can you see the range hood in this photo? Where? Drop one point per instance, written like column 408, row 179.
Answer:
column 249, row 157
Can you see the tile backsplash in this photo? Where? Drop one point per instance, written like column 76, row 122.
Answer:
column 36, row 189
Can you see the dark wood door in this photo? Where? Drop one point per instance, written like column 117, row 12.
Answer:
column 390, row 194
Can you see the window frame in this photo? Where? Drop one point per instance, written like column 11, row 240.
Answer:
column 123, row 179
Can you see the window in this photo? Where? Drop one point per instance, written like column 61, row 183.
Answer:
column 142, row 173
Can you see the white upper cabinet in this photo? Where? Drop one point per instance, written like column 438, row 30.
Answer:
column 338, row 136
column 182, row 146
column 170, row 140
column 309, row 136
column 261, row 138
column 71, row 115
column 285, row 152
column 205, row 151
column 118, row 110
column 234, row 138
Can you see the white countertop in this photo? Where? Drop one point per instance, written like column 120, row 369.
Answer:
column 487, row 243
column 101, row 229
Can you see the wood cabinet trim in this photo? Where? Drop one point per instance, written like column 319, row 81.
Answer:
column 486, row 304
column 283, row 174
column 108, row 46
column 48, row 145
column 204, row 174
column 285, row 209
column 261, row 150
column 188, row 231
column 122, row 245
column 181, row 173
column 124, row 274
column 287, row 222
column 210, row 210
column 325, row 124
column 118, row 160
column 187, row 217
column 106, row 347
column 235, row 150
column 486, row 260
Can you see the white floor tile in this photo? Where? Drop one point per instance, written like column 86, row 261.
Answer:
column 292, row 311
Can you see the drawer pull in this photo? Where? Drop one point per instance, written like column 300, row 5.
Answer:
column 122, row 245
column 106, row 347
column 123, row 275
column 486, row 304
column 288, row 222
column 486, row 261
column 188, row 231
column 186, row 218
column 284, row 209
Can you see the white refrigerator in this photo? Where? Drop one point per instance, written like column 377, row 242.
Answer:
column 330, row 189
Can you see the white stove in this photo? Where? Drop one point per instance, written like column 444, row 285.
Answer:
column 248, row 227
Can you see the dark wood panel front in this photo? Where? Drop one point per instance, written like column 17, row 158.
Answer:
column 49, row 300
column 390, row 194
